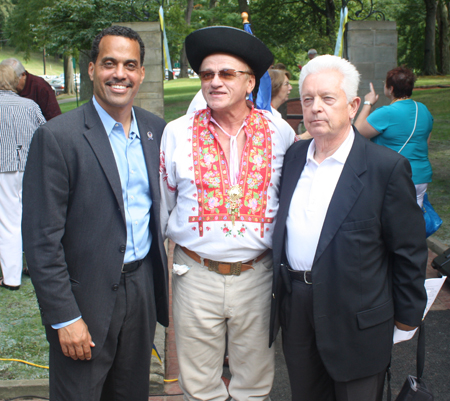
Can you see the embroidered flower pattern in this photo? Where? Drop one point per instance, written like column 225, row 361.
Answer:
column 211, row 174
column 254, row 180
column 211, row 179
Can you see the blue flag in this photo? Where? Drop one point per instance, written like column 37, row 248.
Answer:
column 265, row 85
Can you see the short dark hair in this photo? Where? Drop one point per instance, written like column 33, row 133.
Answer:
column 116, row 30
column 401, row 79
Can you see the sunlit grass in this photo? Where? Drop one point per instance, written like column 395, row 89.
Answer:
column 35, row 65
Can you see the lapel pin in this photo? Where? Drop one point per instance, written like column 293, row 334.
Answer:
column 150, row 135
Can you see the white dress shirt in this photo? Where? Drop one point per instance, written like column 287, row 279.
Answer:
column 310, row 201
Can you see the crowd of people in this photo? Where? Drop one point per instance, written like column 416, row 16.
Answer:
column 323, row 238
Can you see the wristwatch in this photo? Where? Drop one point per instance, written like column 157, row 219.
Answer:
column 367, row 102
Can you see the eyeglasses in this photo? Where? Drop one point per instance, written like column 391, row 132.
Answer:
column 226, row 74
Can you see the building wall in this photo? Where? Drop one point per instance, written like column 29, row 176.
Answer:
column 372, row 47
column 151, row 92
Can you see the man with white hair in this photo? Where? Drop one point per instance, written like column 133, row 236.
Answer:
column 349, row 247
column 35, row 88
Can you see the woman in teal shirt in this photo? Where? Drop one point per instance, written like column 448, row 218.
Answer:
column 404, row 126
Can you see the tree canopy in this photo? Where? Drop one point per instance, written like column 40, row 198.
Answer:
column 288, row 27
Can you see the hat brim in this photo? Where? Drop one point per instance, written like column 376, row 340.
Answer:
column 224, row 39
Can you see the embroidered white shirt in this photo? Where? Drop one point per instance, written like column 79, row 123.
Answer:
column 215, row 238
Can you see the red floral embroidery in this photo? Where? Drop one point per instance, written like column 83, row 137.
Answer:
column 163, row 171
column 211, row 171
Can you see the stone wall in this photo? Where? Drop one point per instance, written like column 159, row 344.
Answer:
column 151, row 92
column 372, row 47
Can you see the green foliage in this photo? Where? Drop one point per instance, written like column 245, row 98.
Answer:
column 6, row 8
column 290, row 28
column 19, row 26
column 68, row 25
column 410, row 18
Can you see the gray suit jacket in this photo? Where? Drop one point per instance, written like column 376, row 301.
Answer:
column 369, row 266
column 74, row 229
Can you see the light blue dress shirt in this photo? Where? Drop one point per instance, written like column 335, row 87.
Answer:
column 130, row 161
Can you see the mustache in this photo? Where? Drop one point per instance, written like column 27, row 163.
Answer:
column 116, row 82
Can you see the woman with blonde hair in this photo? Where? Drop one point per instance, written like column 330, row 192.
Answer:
column 280, row 89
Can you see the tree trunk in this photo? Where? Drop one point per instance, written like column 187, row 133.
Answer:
column 43, row 61
column 244, row 8
column 330, row 10
column 69, row 86
column 429, row 67
column 442, row 17
column 86, row 87
column 183, row 57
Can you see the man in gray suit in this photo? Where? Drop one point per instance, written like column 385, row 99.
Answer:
column 90, row 230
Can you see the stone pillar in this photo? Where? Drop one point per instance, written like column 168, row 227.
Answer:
column 151, row 92
column 372, row 47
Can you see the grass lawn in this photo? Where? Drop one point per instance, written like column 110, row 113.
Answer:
column 21, row 333
column 34, row 65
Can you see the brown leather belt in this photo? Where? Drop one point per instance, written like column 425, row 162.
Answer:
column 225, row 268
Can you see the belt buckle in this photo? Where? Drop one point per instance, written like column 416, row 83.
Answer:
column 235, row 268
column 304, row 277
column 121, row 270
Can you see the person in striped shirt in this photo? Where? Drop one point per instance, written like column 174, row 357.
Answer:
column 19, row 119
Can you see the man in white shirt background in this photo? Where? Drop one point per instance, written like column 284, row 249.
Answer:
column 349, row 247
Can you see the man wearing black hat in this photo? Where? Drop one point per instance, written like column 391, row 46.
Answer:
column 220, row 170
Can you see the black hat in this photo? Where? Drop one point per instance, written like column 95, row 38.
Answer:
column 225, row 39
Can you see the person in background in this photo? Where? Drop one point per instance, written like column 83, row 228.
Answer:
column 403, row 126
column 19, row 119
column 35, row 88
column 349, row 247
column 312, row 53
column 280, row 89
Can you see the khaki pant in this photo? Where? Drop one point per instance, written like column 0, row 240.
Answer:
column 206, row 307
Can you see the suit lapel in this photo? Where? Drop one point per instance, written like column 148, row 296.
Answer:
column 345, row 195
column 150, row 144
column 99, row 141
column 292, row 170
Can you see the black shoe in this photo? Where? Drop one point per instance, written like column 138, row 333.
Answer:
column 9, row 287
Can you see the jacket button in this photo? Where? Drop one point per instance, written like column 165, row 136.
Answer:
column 115, row 287
column 273, row 296
column 122, row 248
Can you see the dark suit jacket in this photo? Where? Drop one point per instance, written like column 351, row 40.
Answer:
column 74, row 229
column 369, row 266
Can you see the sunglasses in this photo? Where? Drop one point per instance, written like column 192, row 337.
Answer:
column 226, row 74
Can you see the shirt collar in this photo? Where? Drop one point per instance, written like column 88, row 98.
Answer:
column 109, row 122
column 341, row 153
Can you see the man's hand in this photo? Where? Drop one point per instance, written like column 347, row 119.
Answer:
column 404, row 327
column 372, row 97
column 75, row 340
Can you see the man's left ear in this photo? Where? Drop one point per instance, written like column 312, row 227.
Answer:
column 354, row 106
column 251, row 84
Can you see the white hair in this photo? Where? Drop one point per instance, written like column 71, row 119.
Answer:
column 15, row 64
column 350, row 74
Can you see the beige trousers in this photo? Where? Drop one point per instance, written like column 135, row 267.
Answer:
column 206, row 307
column 10, row 227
